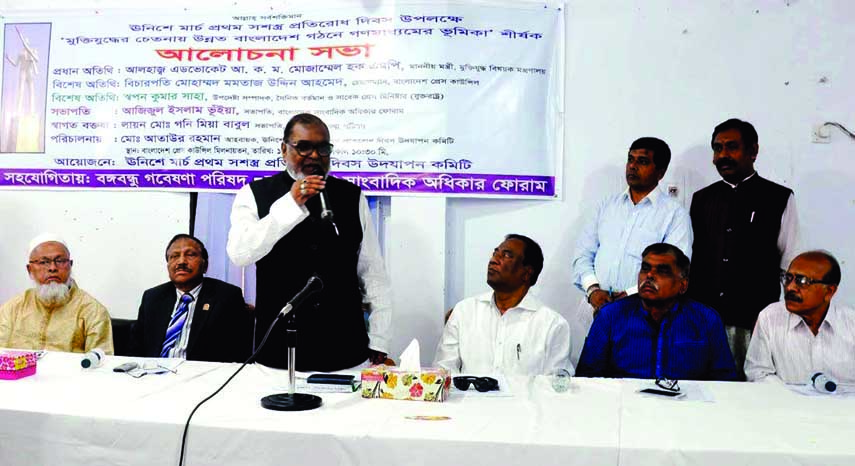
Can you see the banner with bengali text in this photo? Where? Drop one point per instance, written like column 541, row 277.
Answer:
column 435, row 98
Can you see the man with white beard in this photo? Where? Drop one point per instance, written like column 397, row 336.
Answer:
column 55, row 314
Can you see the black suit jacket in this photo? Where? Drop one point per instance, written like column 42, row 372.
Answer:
column 221, row 329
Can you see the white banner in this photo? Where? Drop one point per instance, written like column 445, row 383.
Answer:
column 442, row 99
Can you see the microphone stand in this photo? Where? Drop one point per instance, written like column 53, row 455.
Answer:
column 291, row 401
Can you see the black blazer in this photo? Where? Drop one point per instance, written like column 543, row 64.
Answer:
column 221, row 329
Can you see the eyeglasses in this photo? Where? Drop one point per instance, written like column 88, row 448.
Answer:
column 482, row 384
column 306, row 148
column 152, row 368
column 60, row 262
column 668, row 384
column 801, row 280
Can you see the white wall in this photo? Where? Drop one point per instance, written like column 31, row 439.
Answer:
column 671, row 69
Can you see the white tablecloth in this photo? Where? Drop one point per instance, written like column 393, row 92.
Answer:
column 68, row 416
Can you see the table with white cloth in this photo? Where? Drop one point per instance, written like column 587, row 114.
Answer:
column 65, row 415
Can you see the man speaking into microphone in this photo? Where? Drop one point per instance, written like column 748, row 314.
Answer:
column 277, row 223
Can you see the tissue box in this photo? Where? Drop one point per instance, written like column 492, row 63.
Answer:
column 389, row 382
column 17, row 364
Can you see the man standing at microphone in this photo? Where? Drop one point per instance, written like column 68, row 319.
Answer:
column 277, row 223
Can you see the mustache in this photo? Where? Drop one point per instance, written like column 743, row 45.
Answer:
column 651, row 283
column 725, row 162
column 314, row 168
column 790, row 296
column 182, row 267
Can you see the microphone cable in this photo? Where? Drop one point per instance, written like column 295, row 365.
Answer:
column 187, row 424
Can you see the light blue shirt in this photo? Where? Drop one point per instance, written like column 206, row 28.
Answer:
column 609, row 248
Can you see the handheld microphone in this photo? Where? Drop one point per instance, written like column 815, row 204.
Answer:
column 93, row 359
column 823, row 383
column 314, row 285
column 326, row 212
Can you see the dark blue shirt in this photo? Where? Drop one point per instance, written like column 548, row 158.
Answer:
column 689, row 343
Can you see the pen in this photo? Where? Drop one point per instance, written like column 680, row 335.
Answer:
column 518, row 351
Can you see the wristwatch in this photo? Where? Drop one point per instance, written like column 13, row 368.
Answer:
column 591, row 290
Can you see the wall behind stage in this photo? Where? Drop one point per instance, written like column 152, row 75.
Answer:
column 672, row 69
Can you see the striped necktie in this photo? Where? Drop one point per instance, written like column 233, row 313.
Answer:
column 173, row 332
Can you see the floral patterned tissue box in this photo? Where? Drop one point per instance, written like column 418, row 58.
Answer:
column 396, row 384
column 17, row 364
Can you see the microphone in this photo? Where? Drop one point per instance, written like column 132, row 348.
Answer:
column 93, row 359
column 823, row 383
column 314, row 285
column 326, row 212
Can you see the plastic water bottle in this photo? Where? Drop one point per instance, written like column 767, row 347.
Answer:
column 92, row 359
column 823, row 383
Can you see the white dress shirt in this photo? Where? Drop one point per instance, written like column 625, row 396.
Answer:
column 529, row 339
column 783, row 346
column 251, row 238
column 788, row 236
column 179, row 350
column 609, row 247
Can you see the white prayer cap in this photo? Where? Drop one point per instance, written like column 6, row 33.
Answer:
column 45, row 238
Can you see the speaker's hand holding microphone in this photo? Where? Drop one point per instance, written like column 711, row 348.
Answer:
column 304, row 189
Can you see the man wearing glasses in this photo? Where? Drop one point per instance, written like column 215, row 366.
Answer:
column 658, row 334
column 806, row 333
column 284, row 224
column 55, row 314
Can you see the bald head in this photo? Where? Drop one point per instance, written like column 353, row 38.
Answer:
column 822, row 258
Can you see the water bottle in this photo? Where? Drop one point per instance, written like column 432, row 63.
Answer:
column 823, row 383
column 93, row 359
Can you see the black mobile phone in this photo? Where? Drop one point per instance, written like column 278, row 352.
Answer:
column 654, row 391
column 128, row 366
column 332, row 379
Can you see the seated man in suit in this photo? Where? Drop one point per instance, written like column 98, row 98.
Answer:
column 658, row 333
column 507, row 330
column 805, row 333
column 192, row 316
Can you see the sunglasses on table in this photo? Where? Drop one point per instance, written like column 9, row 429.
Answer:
column 482, row 384
column 668, row 384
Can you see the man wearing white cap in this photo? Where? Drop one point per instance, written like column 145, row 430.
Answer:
column 55, row 314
